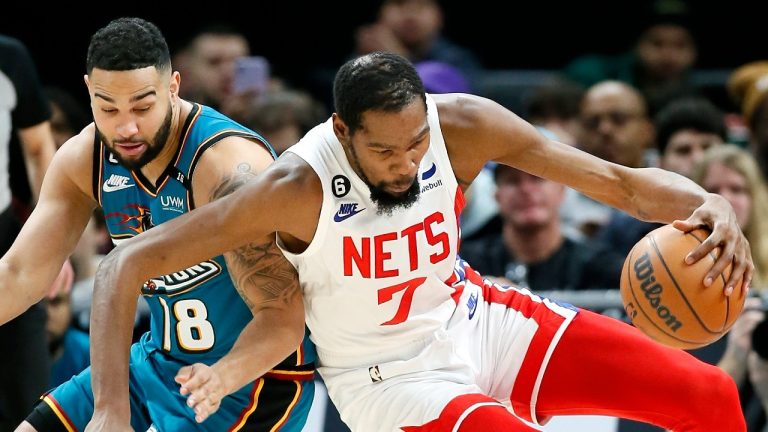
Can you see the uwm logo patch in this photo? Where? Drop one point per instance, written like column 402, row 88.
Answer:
column 182, row 281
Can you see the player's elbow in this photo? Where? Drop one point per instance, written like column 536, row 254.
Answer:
column 122, row 266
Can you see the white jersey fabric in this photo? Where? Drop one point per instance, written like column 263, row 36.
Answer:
column 402, row 326
column 380, row 277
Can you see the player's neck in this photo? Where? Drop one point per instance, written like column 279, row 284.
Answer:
column 153, row 170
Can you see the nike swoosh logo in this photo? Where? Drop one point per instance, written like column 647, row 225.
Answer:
column 430, row 172
column 472, row 303
column 338, row 217
column 110, row 188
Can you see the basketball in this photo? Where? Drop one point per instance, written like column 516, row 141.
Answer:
column 666, row 298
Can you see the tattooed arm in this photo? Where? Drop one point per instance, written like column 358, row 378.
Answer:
column 266, row 281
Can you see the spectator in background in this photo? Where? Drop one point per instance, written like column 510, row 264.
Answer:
column 658, row 65
column 614, row 126
column 555, row 106
column 24, row 115
column 732, row 172
column 284, row 116
column 685, row 129
column 531, row 250
column 413, row 29
column 208, row 63
column 68, row 116
column 748, row 86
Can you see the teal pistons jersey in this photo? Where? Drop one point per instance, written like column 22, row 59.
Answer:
column 196, row 313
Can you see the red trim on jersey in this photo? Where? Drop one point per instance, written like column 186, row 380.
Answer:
column 458, row 205
column 287, row 375
column 257, row 386
column 291, row 406
column 456, row 296
column 101, row 173
column 60, row 413
column 300, row 354
column 523, row 389
column 549, row 323
column 459, row 410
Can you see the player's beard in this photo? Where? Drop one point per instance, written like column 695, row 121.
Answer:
column 154, row 146
column 387, row 203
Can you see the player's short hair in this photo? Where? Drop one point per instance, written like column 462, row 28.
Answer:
column 378, row 81
column 128, row 44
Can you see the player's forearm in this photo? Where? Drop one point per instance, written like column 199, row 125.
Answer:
column 113, row 310
column 20, row 288
column 657, row 195
column 266, row 341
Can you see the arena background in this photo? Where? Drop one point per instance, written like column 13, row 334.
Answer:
column 300, row 36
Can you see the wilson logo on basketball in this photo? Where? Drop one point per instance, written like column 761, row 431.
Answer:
column 653, row 291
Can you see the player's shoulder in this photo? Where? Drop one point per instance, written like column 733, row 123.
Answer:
column 80, row 144
column 296, row 190
column 236, row 151
column 461, row 109
column 75, row 157
column 293, row 180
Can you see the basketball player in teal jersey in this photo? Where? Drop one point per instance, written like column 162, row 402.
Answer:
column 148, row 158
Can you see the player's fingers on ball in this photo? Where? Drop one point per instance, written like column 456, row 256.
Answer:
column 746, row 282
column 685, row 225
column 724, row 260
column 700, row 251
column 734, row 281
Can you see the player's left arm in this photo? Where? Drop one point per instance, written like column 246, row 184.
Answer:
column 478, row 130
column 266, row 281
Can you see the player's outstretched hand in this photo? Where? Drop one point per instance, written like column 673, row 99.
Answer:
column 204, row 387
column 717, row 214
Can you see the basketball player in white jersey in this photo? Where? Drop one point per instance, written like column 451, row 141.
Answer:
column 409, row 337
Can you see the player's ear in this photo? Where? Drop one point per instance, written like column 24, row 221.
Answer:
column 175, row 84
column 340, row 129
column 87, row 82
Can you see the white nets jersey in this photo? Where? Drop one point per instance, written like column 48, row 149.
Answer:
column 374, row 285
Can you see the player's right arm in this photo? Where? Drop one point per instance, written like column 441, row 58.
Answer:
column 285, row 197
column 50, row 234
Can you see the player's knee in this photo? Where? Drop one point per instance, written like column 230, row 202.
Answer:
column 25, row 427
column 717, row 400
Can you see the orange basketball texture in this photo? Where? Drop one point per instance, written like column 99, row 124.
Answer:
column 666, row 298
